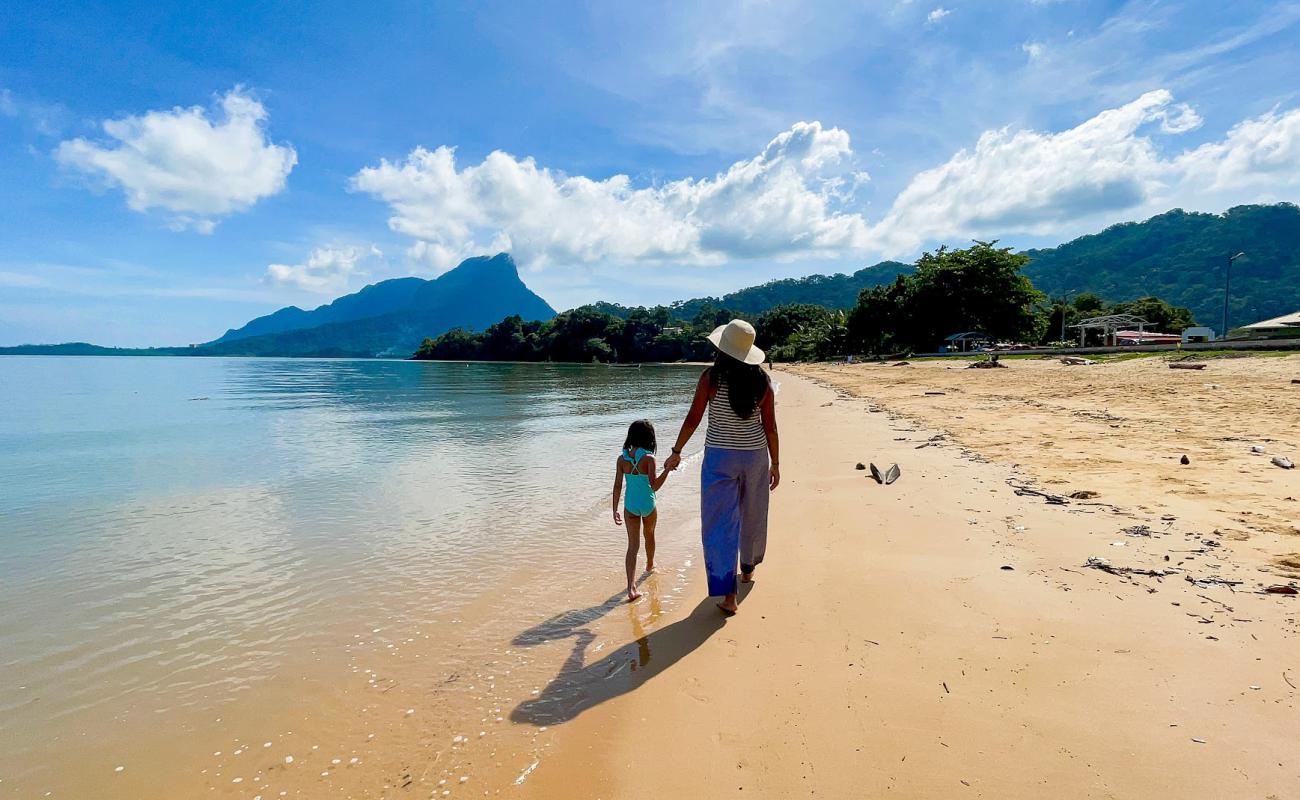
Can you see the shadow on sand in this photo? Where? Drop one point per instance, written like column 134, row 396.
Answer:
column 580, row 686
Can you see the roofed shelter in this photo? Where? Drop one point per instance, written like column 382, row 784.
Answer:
column 1110, row 325
column 1283, row 327
column 965, row 342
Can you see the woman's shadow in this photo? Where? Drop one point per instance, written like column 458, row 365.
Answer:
column 580, row 686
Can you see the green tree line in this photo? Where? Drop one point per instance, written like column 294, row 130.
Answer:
column 978, row 288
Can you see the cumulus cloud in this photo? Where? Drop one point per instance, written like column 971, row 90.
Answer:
column 937, row 14
column 196, row 168
column 326, row 270
column 1029, row 182
column 786, row 202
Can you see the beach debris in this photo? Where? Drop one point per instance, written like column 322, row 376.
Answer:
column 1213, row 580
column 1023, row 490
column 1102, row 564
column 1198, row 741
column 1283, row 462
column 860, row 465
column 1281, row 589
column 1083, row 494
column 1137, row 530
column 1295, row 380
column 875, row 473
column 892, row 474
column 931, row 394
column 1182, row 365
column 901, row 364
column 1007, row 567
column 1077, row 361
column 1211, row 386
column 988, row 363
column 1287, row 678
column 523, row 776
column 1257, row 448
column 1184, row 461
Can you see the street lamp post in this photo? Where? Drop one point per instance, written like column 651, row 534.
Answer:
column 1227, row 287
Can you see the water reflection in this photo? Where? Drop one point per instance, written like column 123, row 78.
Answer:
column 172, row 531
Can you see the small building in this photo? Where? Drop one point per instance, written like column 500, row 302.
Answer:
column 1145, row 337
column 1197, row 334
column 965, row 342
column 1283, row 327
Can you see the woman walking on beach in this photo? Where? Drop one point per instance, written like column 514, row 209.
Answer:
column 741, row 463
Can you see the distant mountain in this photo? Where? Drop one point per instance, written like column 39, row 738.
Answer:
column 832, row 291
column 375, row 300
column 475, row 294
column 390, row 318
column 1181, row 257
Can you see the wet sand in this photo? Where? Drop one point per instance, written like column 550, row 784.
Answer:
column 941, row 637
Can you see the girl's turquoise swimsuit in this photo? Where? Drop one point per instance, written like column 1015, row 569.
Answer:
column 638, row 497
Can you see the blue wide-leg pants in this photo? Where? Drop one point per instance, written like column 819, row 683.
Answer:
column 733, row 513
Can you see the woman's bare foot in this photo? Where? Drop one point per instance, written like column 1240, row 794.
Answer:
column 633, row 594
column 650, row 567
column 728, row 605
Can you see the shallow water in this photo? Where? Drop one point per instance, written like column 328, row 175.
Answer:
column 197, row 551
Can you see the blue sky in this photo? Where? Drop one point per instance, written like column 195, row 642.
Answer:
column 166, row 173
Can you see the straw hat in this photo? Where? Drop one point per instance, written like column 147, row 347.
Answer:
column 736, row 339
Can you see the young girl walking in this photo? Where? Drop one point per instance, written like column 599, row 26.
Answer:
column 636, row 468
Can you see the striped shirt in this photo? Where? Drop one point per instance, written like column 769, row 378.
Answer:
column 728, row 431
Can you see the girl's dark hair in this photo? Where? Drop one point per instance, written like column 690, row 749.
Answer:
column 746, row 383
column 640, row 434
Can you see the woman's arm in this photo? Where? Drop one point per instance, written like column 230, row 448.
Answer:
column 618, row 490
column 767, row 407
column 692, row 421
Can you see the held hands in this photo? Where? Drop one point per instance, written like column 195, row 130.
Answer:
column 774, row 477
column 672, row 462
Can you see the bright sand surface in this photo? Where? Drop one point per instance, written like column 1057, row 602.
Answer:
column 886, row 650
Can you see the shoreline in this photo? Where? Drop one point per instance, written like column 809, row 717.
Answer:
column 886, row 647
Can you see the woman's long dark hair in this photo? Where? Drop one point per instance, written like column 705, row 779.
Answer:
column 640, row 434
column 746, row 383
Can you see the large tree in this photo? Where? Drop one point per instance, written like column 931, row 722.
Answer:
column 978, row 288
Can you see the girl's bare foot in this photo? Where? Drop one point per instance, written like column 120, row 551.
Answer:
column 633, row 594
column 728, row 605
column 650, row 566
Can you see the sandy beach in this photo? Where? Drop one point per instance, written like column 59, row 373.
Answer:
column 942, row 636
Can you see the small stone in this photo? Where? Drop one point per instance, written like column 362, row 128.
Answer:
column 1184, row 461
column 118, row 769
column 288, row 759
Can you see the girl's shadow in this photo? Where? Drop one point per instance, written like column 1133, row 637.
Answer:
column 580, row 686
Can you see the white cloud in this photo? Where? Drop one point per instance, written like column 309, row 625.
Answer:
column 1028, row 182
column 1034, row 50
column 936, row 15
column 785, row 202
column 327, row 269
column 181, row 161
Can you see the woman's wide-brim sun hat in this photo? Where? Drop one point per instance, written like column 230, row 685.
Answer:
column 736, row 339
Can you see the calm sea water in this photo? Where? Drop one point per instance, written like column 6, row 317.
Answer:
column 174, row 532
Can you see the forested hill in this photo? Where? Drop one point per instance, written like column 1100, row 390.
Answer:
column 831, row 291
column 1180, row 257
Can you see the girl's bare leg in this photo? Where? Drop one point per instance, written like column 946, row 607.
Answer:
column 650, row 522
column 633, row 524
